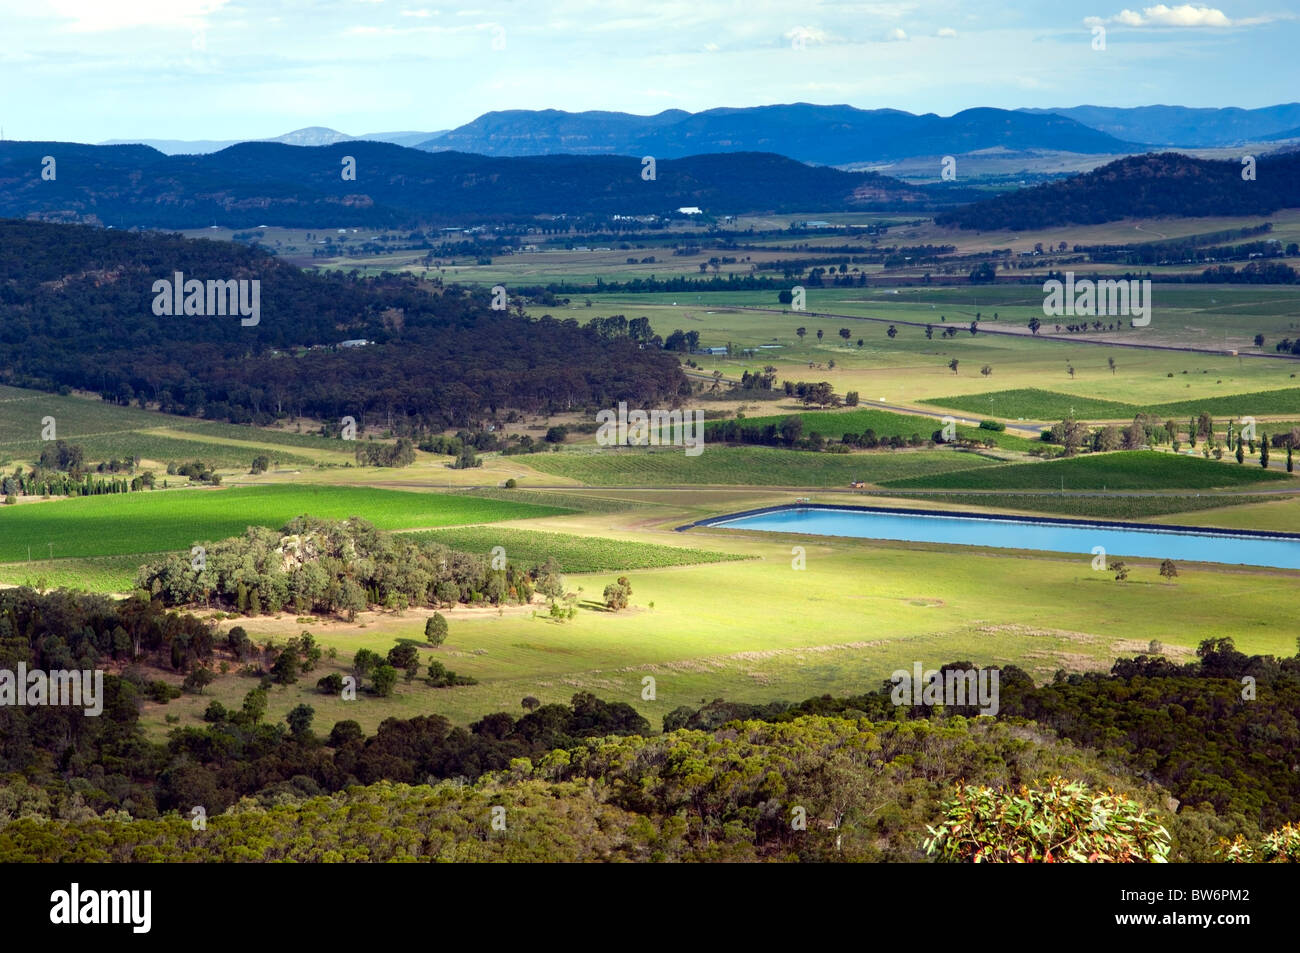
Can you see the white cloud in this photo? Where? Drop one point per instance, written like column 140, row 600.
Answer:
column 806, row 35
column 946, row 31
column 896, row 34
column 1185, row 14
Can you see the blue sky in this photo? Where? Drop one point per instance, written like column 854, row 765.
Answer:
column 89, row 70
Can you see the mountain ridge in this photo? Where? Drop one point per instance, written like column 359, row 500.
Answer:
column 257, row 183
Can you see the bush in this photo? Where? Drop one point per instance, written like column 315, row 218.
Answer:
column 160, row 692
column 215, row 712
column 285, row 669
column 993, row 425
column 618, row 593
column 331, row 684
column 198, row 680
column 441, row 677
column 1281, row 846
column 383, row 679
column 345, row 732
column 1062, row 822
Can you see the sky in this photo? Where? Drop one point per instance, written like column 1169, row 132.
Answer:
column 90, row 70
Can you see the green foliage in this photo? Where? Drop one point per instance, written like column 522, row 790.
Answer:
column 383, row 678
column 1281, row 846
column 441, row 677
column 618, row 593
column 320, row 566
column 1061, row 821
column 435, row 629
column 299, row 720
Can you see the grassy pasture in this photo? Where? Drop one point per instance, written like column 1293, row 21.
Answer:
column 1039, row 404
column 575, row 554
column 176, row 519
column 105, row 431
column 757, row 630
column 1034, row 404
column 1122, row 470
column 910, row 368
column 747, row 466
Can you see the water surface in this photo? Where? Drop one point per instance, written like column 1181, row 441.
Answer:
column 1057, row 536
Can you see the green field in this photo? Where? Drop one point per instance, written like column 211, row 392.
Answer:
column 574, row 553
column 758, row 630
column 105, row 431
column 1123, row 470
column 155, row 521
column 910, row 368
column 1049, row 405
column 747, row 466
column 1034, row 404
column 833, row 424
column 91, row 573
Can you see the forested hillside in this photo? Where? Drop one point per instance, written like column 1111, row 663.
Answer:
column 1139, row 187
column 266, row 183
column 76, row 311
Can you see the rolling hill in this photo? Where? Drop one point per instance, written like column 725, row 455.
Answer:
column 252, row 184
column 1165, row 184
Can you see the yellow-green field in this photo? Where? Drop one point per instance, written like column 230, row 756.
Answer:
column 759, row 629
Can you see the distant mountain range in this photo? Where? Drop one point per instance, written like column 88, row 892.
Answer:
column 1187, row 127
column 309, row 136
column 1166, row 184
column 821, row 135
column 266, row 183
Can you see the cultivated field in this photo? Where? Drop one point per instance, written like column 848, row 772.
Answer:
column 160, row 520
